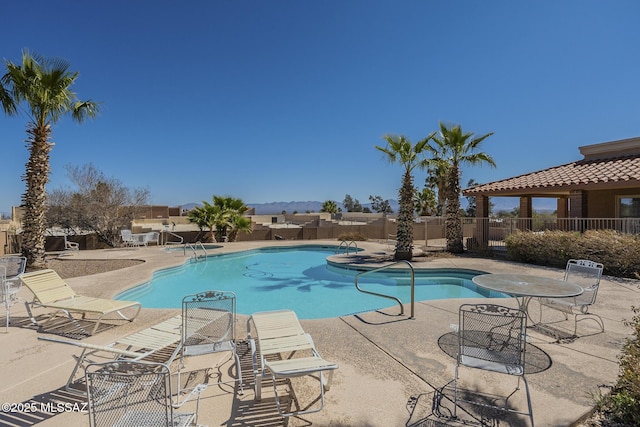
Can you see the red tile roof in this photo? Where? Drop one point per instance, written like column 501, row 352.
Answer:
column 614, row 172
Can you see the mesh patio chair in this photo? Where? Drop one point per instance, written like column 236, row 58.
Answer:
column 492, row 338
column 586, row 274
column 132, row 394
column 209, row 326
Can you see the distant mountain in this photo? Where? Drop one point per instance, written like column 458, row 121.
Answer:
column 289, row 207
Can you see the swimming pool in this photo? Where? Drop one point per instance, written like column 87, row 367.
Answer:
column 297, row 278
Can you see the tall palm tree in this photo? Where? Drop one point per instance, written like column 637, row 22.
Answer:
column 44, row 85
column 400, row 149
column 452, row 148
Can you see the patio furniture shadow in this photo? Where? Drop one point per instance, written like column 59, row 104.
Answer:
column 435, row 409
column 62, row 326
column 43, row 407
column 536, row 360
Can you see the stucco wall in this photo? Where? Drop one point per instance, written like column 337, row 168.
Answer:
column 602, row 203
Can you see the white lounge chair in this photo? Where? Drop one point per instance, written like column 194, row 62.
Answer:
column 280, row 333
column 158, row 343
column 584, row 273
column 50, row 291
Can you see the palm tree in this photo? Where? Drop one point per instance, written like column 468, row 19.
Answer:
column 452, row 148
column 44, row 85
column 437, row 173
column 230, row 221
column 239, row 223
column 223, row 218
column 425, row 202
column 205, row 217
column 330, row 206
column 400, row 149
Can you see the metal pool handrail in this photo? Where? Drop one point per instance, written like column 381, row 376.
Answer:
column 347, row 245
column 413, row 285
column 193, row 246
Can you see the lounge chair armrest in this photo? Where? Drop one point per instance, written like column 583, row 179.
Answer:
column 92, row 346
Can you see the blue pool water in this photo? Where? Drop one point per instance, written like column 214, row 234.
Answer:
column 297, row 278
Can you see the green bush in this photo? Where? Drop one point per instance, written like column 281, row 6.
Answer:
column 619, row 253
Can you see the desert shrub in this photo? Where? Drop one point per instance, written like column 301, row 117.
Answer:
column 620, row 253
column 352, row 235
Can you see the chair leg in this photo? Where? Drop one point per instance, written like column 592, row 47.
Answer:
column 296, row 413
column 526, row 386
column 239, row 369
column 455, row 394
column 592, row 316
column 257, row 373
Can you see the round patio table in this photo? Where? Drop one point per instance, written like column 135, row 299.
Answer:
column 526, row 286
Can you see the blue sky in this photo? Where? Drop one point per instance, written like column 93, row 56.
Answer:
column 285, row 100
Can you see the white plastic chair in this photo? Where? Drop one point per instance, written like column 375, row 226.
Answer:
column 70, row 246
column 586, row 274
column 129, row 239
column 492, row 338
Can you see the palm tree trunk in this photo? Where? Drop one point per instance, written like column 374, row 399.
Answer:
column 404, row 235
column 34, row 222
column 453, row 223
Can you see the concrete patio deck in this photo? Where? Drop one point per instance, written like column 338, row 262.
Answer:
column 390, row 367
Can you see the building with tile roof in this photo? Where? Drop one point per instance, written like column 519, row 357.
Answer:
column 605, row 184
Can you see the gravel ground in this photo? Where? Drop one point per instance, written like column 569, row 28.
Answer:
column 67, row 268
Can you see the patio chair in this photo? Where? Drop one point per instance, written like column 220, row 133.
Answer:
column 70, row 246
column 4, row 295
column 50, row 291
column 151, row 237
column 279, row 333
column 130, row 239
column 14, row 266
column 159, row 343
column 125, row 393
column 492, row 338
column 11, row 267
column 586, row 274
column 209, row 326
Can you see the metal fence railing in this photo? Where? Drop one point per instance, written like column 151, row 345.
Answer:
column 495, row 230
